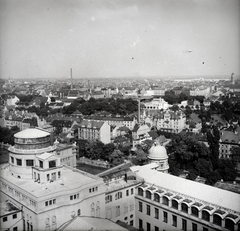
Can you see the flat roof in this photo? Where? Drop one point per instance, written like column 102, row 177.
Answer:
column 207, row 193
column 71, row 179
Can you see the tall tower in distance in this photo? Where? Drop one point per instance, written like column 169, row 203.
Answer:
column 232, row 79
column 71, row 78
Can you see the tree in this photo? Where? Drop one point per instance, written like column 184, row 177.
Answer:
column 227, row 169
column 213, row 137
column 116, row 157
column 140, row 157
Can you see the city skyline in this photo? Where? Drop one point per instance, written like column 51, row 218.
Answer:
column 105, row 39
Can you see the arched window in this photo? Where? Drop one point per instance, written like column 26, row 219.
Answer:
column 194, row 211
column 165, row 200
column 98, row 209
column 184, row 208
column 93, row 210
column 229, row 224
column 54, row 222
column 217, row 220
column 79, row 212
column 205, row 215
column 174, row 204
column 156, row 197
column 140, row 191
column 148, row 194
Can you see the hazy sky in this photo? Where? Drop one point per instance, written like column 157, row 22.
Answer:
column 45, row 38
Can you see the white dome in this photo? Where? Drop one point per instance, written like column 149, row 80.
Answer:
column 157, row 152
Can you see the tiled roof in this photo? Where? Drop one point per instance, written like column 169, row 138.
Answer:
column 91, row 124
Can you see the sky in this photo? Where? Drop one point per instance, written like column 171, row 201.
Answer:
column 119, row 38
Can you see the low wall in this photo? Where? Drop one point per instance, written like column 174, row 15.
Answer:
column 98, row 163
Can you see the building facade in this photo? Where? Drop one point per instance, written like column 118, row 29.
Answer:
column 167, row 202
column 92, row 130
column 47, row 192
column 170, row 121
column 157, row 104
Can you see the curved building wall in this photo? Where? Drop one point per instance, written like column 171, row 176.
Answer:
column 22, row 156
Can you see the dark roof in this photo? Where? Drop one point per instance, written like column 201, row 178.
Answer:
column 61, row 123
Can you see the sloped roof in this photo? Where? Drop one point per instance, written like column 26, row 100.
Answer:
column 91, row 124
column 230, row 137
column 91, row 223
column 203, row 192
column 46, row 155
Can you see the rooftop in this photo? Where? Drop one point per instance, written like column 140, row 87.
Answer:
column 31, row 133
column 91, row 223
column 71, row 179
column 202, row 192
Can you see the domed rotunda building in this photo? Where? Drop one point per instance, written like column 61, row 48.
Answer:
column 158, row 155
column 30, row 144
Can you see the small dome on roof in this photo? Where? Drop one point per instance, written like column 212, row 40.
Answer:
column 31, row 133
column 157, row 152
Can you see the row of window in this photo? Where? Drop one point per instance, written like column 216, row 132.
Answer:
column 74, row 197
column 183, row 206
column 217, row 220
column 5, row 219
column 118, row 195
column 95, row 189
column 28, row 163
column 50, row 202
column 174, row 219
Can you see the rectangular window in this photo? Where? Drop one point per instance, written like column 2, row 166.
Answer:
column 59, row 174
column 174, row 218
column 140, row 223
column 148, row 227
column 206, row 229
column 148, row 210
column 14, row 216
column 156, row 228
column 5, row 219
column 156, row 213
column 194, row 227
column 15, row 228
column 46, row 203
column 184, row 224
column 52, row 164
column 19, row 162
column 140, row 206
column 131, row 190
column 165, row 217
column 127, row 192
column 12, row 160
column 29, row 162
column 40, row 164
column 48, row 177
column 131, row 222
column 71, row 197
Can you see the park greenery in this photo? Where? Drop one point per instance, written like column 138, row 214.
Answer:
column 7, row 135
column 185, row 151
